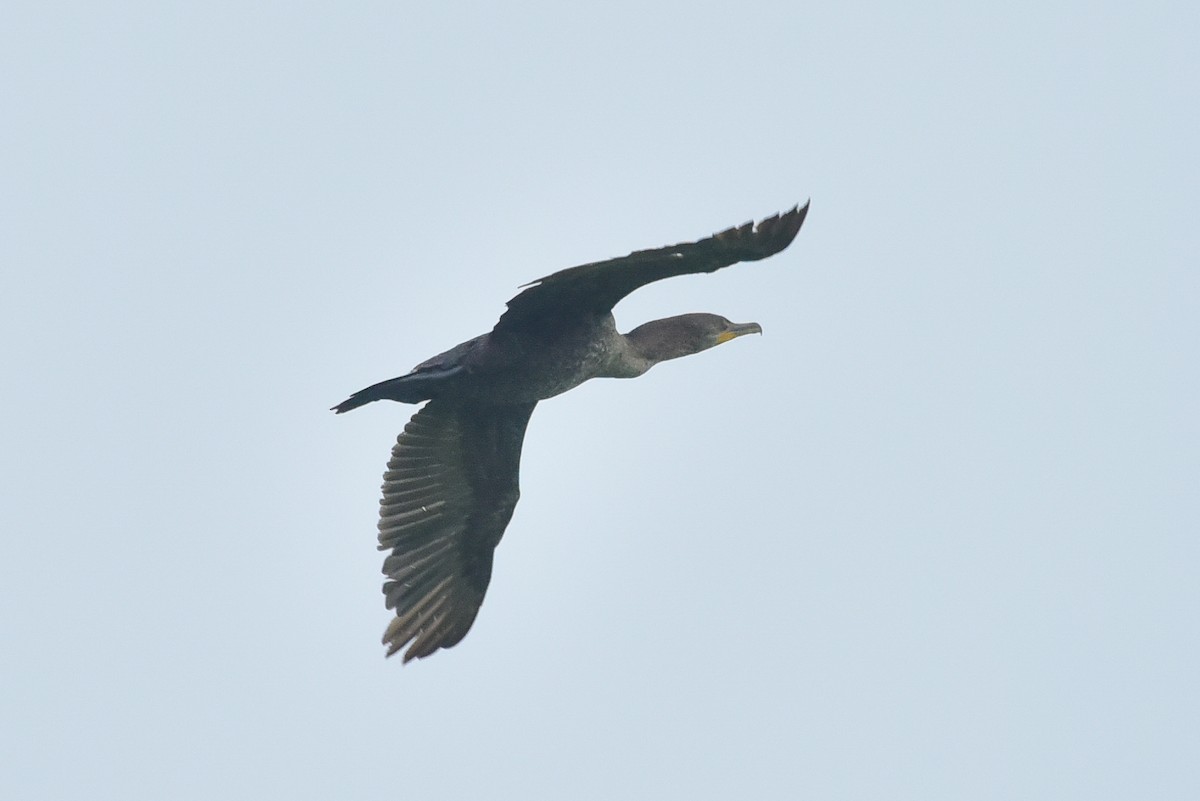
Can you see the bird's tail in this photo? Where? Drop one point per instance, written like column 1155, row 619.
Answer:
column 411, row 388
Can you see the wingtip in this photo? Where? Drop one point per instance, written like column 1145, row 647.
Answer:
column 798, row 211
column 798, row 215
column 395, row 643
column 777, row 231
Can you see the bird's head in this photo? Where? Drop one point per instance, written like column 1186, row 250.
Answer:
column 672, row 337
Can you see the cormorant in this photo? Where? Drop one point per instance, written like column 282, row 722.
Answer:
column 451, row 484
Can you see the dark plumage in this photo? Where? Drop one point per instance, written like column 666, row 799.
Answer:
column 452, row 482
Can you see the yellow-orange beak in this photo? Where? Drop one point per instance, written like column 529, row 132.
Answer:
column 736, row 330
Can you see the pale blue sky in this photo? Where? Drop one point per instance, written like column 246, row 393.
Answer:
column 932, row 536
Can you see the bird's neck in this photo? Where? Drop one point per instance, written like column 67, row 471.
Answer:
column 624, row 360
column 654, row 342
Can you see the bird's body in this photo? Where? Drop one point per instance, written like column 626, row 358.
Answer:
column 502, row 369
column 452, row 482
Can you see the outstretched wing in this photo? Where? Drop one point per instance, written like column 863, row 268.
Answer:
column 448, row 493
column 597, row 287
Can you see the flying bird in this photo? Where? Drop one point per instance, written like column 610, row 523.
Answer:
column 452, row 481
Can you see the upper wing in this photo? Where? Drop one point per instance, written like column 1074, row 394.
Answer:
column 598, row 286
column 448, row 493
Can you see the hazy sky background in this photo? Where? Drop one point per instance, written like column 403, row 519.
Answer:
column 932, row 536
